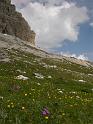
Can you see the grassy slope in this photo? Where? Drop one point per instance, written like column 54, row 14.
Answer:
column 68, row 100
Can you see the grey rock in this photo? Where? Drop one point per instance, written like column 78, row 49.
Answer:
column 8, row 42
column 12, row 22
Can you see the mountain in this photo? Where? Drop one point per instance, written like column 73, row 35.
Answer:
column 38, row 87
column 12, row 22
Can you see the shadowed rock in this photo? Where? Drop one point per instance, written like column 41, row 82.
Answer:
column 12, row 22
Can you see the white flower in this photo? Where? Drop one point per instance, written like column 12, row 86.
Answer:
column 49, row 77
column 77, row 97
column 38, row 84
column 60, row 91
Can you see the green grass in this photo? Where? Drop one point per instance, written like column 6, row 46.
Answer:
column 68, row 100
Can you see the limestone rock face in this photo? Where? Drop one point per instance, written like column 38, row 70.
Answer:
column 12, row 22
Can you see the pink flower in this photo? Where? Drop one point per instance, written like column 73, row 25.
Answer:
column 45, row 112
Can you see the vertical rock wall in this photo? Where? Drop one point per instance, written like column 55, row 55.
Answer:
column 12, row 22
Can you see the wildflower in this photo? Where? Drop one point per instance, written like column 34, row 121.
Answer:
column 25, row 94
column 49, row 77
column 12, row 106
column 63, row 114
column 33, row 89
column 23, row 108
column 92, row 89
column 60, row 91
column 49, row 97
column 8, row 106
column 1, row 97
column 38, row 84
column 45, row 113
column 46, row 117
column 71, row 97
column 77, row 97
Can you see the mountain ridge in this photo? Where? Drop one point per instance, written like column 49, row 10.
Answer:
column 12, row 42
column 41, row 87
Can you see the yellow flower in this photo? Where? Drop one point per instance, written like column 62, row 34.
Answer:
column 8, row 106
column 12, row 103
column 25, row 94
column 23, row 108
column 46, row 117
column 63, row 114
column 65, row 97
column 12, row 106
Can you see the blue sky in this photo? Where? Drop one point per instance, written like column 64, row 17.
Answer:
column 84, row 44
column 62, row 26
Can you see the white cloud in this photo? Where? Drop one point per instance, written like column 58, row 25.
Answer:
column 20, row 3
column 49, row 2
column 54, row 24
column 81, row 57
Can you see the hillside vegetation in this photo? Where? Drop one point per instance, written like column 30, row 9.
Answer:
column 36, row 90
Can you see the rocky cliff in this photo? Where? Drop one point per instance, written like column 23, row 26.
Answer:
column 12, row 22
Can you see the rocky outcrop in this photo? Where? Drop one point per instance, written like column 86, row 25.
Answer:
column 12, row 22
column 9, row 43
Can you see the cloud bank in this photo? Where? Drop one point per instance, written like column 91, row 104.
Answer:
column 54, row 21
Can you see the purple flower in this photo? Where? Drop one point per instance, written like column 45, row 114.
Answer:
column 45, row 112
